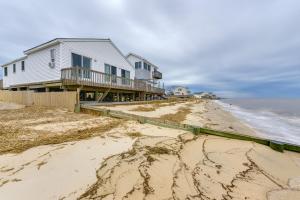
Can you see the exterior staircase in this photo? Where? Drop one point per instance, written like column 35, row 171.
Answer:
column 101, row 98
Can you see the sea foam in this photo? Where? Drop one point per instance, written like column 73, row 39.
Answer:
column 267, row 124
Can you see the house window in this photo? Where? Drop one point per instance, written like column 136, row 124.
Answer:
column 14, row 68
column 125, row 77
column 76, row 60
column 111, row 71
column 138, row 65
column 86, row 63
column 82, row 62
column 147, row 66
column 5, row 71
column 23, row 65
column 107, row 72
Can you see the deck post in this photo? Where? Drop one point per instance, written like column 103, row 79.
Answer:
column 118, row 97
column 77, row 106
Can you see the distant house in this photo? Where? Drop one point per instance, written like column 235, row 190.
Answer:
column 179, row 91
column 205, row 95
column 89, row 64
column 144, row 69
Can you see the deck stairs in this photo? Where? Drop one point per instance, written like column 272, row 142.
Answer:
column 101, row 98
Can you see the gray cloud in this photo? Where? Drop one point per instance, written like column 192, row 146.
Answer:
column 236, row 48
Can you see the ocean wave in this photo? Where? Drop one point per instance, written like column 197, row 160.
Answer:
column 267, row 124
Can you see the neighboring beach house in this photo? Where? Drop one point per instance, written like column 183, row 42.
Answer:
column 205, row 95
column 96, row 66
column 144, row 70
column 179, row 91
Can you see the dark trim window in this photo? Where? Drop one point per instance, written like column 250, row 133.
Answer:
column 5, row 71
column 23, row 65
column 82, row 62
column 76, row 60
column 138, row 65
column 125, row 77
column 147, row 66
column 111, row 71
column 14, row 68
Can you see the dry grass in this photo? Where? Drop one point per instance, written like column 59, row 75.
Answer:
column 153, row 106
column 39, row 165
column 179, row 116
column 13, row 144
column 157, row 150
column 144, row 109
column 134, row 134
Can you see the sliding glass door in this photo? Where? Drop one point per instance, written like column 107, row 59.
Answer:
column 83, row 63
column 110, row 71
column 107, row 73
column 86, row 64
column 125, row 77
column 113, row 74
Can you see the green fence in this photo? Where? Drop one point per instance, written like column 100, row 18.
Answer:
column 276, row 145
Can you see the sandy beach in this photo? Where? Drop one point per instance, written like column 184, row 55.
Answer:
column 48, row 153
column 202, row 113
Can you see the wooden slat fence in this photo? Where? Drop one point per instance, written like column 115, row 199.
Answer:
column 49, row 99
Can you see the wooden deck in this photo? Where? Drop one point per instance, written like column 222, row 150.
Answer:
column 86, row 77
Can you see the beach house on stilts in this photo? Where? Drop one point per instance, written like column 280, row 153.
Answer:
column 94, row 67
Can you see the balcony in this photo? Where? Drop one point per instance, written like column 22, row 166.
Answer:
column 157, row 75
column 88, row 77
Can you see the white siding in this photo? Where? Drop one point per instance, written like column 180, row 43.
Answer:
column 37, row 64
column 181, row 91
column 101, row 52
column 36, row 69
column 140, row 73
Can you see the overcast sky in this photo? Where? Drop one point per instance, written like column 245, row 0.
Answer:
column 245, row 48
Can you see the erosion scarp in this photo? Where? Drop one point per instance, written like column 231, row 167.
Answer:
column 191, row 167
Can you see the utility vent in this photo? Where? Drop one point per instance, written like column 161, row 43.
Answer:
column 51, row 64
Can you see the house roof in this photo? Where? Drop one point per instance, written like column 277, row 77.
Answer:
column 140, row 57
column 15, row 60
column 59, row 40
column 178, row 86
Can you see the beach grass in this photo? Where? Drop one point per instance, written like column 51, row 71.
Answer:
column 13, row 141
column 177, row 117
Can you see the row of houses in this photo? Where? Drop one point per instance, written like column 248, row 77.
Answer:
column 95, row 67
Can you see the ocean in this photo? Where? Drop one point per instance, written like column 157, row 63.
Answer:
column 276, row 119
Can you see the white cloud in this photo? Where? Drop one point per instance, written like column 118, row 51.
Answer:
column 230, row 46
